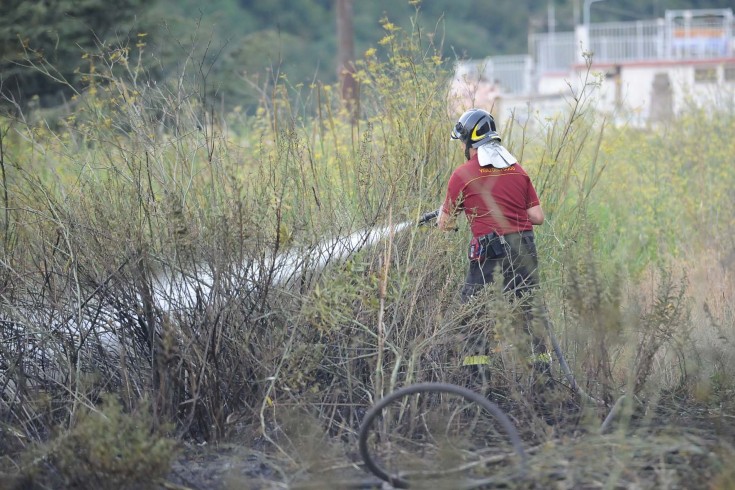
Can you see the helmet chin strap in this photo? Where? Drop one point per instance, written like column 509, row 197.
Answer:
column 467, row 147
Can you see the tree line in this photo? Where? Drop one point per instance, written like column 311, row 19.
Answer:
column 244, row 44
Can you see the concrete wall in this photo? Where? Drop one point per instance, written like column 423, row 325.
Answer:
column 637, row 93
column 645, row 92
column 641, row 88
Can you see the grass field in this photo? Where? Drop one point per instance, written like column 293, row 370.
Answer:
column 144, row 304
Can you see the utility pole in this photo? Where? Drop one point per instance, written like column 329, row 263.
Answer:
column 587, row 5
column 346, row 57
column 551, row 17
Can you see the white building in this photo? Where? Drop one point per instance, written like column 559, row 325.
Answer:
column 640, row 72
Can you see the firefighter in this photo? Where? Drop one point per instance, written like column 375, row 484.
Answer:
column 502, row 207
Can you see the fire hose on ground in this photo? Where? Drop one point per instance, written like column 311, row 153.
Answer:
column 398, row 481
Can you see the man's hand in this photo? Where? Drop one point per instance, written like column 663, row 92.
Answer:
column 446, row 222
column 429, row 218
column 536, row 215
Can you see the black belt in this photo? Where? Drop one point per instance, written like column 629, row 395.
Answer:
column 485, row 240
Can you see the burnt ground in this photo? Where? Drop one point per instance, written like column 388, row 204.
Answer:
column 675, row 446
column 230, row 466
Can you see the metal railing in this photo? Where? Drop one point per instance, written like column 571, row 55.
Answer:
column 554, row 51
column 681, row 35
column 509, row 74
column 627, row 41
column 513, row 73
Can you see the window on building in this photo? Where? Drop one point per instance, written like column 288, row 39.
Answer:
column 729, row 73
column 706, row 74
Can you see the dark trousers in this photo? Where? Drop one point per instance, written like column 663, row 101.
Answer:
column 517, row 265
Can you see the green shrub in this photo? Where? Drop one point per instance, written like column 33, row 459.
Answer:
column 107, row 448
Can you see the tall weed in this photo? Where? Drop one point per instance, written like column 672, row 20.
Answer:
column 153, row 249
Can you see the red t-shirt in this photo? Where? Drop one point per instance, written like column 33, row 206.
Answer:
column 493, row 199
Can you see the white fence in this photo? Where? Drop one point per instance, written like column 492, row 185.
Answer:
column 509, row 74
column 681, row 35
column 504, row 83
column 627, row 41
column 555, row 51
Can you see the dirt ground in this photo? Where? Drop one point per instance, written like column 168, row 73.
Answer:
column 673, row 447
column 229, row 466
column 676, row 444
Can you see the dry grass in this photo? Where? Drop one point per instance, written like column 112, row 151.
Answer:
column 151, row 252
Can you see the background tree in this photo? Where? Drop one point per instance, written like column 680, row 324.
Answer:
column 246, row 43
column 59, row 31
column 346, row 55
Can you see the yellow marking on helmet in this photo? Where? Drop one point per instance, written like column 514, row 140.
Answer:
column 475, row 136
